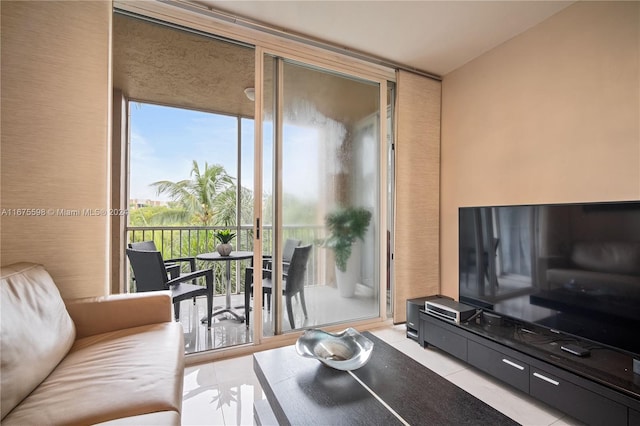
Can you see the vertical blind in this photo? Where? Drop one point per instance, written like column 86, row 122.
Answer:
column 417, row 222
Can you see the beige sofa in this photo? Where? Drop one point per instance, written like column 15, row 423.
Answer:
column 112, row 360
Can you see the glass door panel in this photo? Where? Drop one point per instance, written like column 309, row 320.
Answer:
column 322, row 185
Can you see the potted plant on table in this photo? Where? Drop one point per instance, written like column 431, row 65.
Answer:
column 224, row 236
column 346, row 226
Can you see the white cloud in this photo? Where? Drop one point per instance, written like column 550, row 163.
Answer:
column 146, row 166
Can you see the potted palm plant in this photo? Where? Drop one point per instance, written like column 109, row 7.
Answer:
column 346, row 226
column 224, row 236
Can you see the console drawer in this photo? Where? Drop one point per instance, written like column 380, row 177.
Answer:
column 505, row 368
column 576, row 401
column 442, row 338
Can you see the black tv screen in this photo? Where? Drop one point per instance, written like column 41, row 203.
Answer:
column 571, row 268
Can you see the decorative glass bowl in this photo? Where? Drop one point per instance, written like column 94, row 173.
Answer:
column 347, row 350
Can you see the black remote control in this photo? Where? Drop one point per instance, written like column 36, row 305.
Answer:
column 576, row 350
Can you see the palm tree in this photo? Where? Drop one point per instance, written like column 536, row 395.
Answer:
column 195, row 198
column 226, row 206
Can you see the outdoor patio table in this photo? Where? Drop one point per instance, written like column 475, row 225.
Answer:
column 216, row 257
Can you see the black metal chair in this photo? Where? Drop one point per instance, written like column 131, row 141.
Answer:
column 287, row 253
column 172, row 265
column 151, row 275
column 293, row 283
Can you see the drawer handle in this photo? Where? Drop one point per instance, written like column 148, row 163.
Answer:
column 513, row 364
column 546, row 379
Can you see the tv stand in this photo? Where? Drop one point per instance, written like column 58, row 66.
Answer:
column 599, row 389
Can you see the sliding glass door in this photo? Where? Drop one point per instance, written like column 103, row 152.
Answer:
column 321, row 202
column 285, row 153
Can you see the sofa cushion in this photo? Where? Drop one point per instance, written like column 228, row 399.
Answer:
column 610, row 257
column 105, row 377
column 36, row 331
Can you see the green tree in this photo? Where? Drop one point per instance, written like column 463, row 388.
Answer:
column 144, row 216
column 195, row 198
column 294, row 210
column 226, row 204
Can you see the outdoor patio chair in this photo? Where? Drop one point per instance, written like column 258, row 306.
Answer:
column 172, row 265
column 293, row 283
column 287, row 253
column 151, row 275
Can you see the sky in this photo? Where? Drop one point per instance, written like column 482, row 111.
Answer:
column 166, row 140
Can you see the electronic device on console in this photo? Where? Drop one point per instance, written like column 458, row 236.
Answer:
column 449, row 310
column 413, row 314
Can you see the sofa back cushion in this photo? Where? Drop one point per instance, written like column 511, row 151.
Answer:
column 609, row 257
column 36, row 331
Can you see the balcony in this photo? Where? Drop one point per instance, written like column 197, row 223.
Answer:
column 324, row 303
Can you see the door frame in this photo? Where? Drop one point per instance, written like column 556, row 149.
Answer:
column 382, row 221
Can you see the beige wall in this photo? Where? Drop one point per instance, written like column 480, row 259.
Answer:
column 552, row 115
column 55, row 117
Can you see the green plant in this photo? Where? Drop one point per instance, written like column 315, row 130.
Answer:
column 345, row 227
column 224, row 236
column 199, row 199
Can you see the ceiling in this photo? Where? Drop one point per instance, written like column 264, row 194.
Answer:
column 432, row 36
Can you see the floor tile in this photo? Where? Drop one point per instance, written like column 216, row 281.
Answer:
column 220, row 393
column 199, row 376
column 238, row 369
column 236, row 402
column 200, row 390
column 199, row 407
column 392, row 334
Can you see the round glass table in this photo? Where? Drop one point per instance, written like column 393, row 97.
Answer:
column 216, row 257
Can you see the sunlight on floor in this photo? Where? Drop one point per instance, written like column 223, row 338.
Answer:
column 220, row 393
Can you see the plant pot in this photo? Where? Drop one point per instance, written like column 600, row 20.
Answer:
column 346, row 281
column 224, row 249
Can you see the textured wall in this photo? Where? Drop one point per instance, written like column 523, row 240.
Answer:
column 55, row 103
column 157, row 63
column 552, row 115
column 417, row 227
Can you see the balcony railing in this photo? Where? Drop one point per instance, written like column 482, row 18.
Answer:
column 189, row 241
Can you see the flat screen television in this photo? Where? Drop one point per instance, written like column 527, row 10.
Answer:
column 571, row 268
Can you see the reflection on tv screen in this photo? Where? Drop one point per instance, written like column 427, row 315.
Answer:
column 572, row 267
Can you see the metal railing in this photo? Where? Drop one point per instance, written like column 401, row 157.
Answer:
column 189, row 241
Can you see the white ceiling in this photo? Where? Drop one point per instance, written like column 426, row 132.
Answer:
column 432, row 36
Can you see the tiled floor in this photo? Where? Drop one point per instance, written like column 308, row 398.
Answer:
column 223, row 392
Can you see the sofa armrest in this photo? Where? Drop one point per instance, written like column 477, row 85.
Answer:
column 95, row 315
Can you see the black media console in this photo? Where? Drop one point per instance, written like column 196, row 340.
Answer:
column 599, row 389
